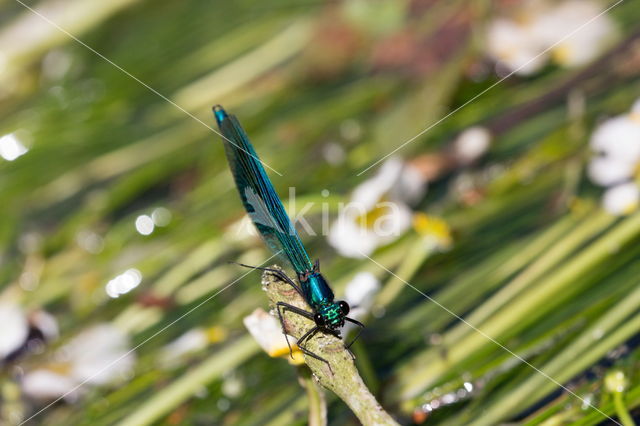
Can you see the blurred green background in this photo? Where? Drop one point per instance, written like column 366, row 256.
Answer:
column 109, row 172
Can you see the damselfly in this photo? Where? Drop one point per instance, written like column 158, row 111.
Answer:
column 270, row 218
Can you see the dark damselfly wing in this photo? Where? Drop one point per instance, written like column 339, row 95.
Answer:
column 258, row 195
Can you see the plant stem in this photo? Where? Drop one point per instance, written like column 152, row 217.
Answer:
column 340, row 374
column 315, row 395
column 621, row 410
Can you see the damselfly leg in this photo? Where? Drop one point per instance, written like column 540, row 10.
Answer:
column 277, row 273
column 282, row 307
column 307, row 336
column 359, row 324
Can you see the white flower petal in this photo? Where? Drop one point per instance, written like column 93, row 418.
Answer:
column 618, row 137
column 268, row 332
column 100, row 355
column 621, row 199
column 15, row 328
column 193, row 340
column 360, row 295
column 515, row 46
column 395, row 180
column 580, row 49
column 580, row 43
column 369, row 192
column 352, row 240
column 381, row 200
column 556, row 23
column 503, row 36
column 606, row 171
column 392, row 225
column 361, row 290
column 519, row 43
column 46, row 323
column 47, row 385
column 410, row 187
column 471, row 144
column 525, row 62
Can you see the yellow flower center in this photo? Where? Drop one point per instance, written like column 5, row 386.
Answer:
column 298, row 358
column 562, row 54
column 507, row 53
column 630, row 208
column 433, row 228
column 523, row 18
column 283, row 352
column 216, row 334
column 368, row 219
column 635, row 116
column 62, row 368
